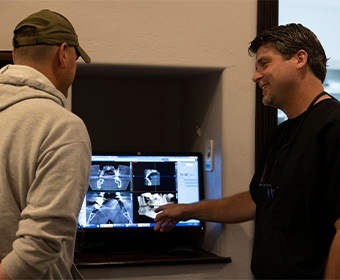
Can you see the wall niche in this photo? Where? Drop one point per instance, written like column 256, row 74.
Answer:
column 143, row 108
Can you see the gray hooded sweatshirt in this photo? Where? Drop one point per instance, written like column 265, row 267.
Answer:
column 45, row 155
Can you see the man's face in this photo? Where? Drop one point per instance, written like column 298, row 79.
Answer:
column 276, row 76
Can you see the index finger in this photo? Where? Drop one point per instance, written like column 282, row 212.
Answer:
column 158, row 209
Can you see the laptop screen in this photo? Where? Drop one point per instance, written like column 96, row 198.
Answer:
column 124, row 189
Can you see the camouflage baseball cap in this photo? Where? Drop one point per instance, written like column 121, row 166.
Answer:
column 49, row 28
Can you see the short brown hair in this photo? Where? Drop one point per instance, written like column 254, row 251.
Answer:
column 36, row 53
column 288, row 40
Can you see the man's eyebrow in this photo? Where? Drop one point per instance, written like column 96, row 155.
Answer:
column 261, row 59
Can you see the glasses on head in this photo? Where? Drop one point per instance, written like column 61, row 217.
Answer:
column 270, row 189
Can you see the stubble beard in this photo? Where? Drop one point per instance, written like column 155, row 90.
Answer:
column 268, row 100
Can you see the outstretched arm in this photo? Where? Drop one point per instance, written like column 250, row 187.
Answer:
column 333, row 267
column 234, row 209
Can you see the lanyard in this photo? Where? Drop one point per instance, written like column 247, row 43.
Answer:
column 290, row 143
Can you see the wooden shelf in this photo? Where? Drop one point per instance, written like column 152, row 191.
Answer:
column 144, row 258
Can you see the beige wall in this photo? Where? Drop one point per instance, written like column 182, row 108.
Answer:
column 178, row 33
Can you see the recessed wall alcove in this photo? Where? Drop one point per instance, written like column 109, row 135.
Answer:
column 153, row 109
column 144, row 108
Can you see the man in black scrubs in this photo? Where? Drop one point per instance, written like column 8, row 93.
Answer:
column 295, row 198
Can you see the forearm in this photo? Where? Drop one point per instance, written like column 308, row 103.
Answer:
column 235, row 209
column 333, row 267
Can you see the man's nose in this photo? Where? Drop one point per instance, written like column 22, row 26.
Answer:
column 256, row 77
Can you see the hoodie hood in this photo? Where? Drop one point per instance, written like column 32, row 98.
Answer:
column 19, row 82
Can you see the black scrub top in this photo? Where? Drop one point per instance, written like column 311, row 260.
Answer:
column 298, row 196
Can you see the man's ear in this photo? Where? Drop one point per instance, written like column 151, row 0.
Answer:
column 63, row 54
column 302, row 57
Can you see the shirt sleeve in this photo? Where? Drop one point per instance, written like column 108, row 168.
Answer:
column 49, row 221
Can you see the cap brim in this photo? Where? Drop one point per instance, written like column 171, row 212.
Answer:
column 83, row 54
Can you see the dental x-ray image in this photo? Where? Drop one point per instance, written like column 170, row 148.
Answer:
column 108, row 208
column 154, row 184
column 110, row 177
column 148, row 202
column 125, row 188
column 152, row 177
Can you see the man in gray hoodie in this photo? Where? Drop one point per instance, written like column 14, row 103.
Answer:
column 45, row 151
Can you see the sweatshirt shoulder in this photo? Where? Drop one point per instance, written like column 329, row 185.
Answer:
column 50, row 120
